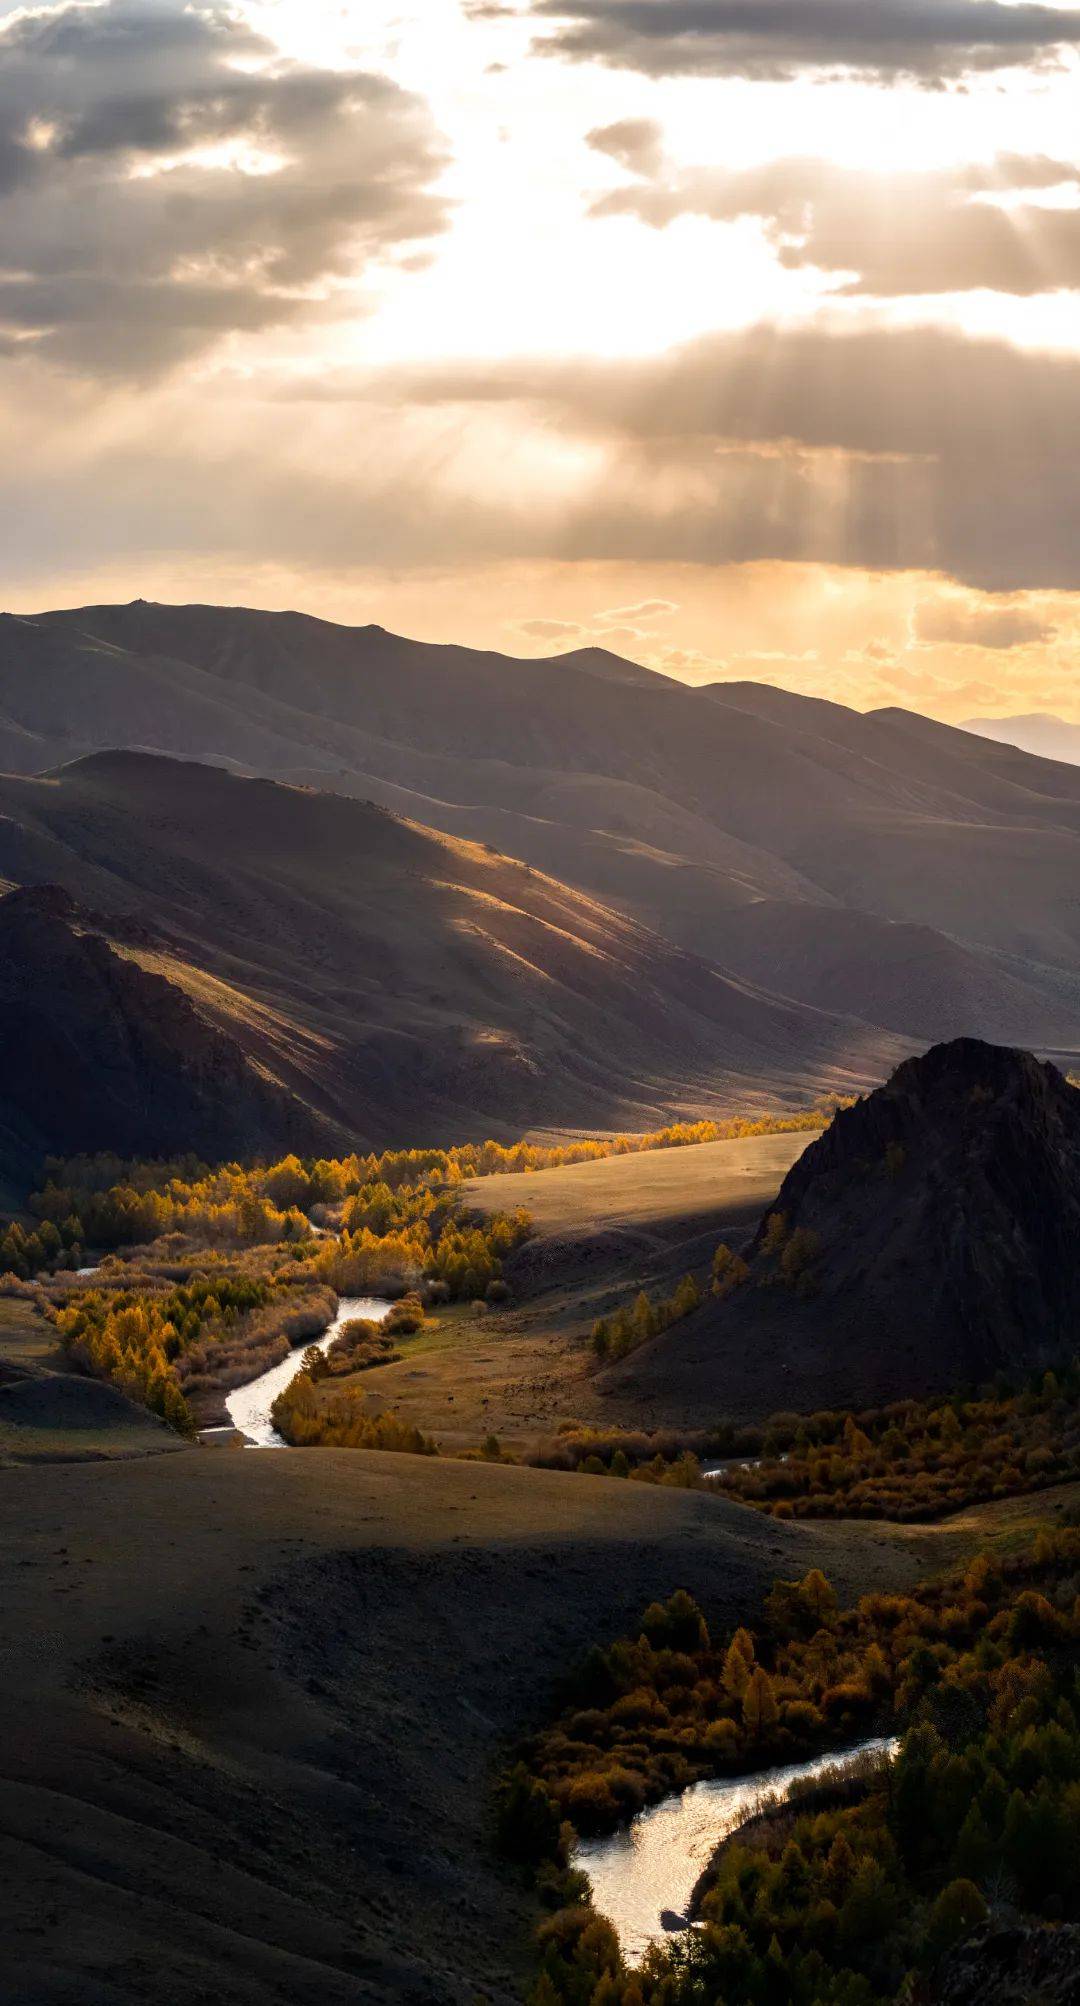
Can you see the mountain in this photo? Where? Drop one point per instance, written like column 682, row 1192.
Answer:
column 1038, row 731
column 924, row 1242
column 407, row 986
column 734, row 820
column 97, row 1054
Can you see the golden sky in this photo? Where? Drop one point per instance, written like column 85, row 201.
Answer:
column 742, row 339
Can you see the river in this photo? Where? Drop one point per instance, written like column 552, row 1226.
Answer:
column 654, row 1865
column 248, row 1407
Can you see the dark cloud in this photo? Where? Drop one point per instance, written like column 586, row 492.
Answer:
column 120, row 250
column 883, row 448
column 898, row 233
column 960, row 624
column 928, row 42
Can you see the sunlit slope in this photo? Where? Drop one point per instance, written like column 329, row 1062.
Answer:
column 410, row 986
column 681, row 806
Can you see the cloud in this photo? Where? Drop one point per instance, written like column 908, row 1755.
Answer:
column 882, row 234
column 550, row 630
column 887, row 449
column 166, row 178
column 927, row 42
column 959, row 623
column 636, row 143
column 647, row 609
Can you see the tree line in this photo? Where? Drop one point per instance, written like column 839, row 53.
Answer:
column 841, row 1898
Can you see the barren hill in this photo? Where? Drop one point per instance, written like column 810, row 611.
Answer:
column 97, row 1054
column 406, row 985
column 925, row 1241
column 682, row 807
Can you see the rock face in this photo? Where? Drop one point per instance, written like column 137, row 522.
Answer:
column 1009, row 1967
column 924, row 1242
column 95, row 1053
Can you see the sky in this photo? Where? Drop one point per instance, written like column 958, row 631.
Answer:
column 741, row 337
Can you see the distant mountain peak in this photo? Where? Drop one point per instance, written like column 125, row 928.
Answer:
column 1036, row 731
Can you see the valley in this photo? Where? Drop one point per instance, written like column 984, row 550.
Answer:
column 539, row 1003
column 306, row 1713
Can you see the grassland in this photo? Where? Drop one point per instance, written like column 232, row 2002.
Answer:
column 601, row 1231
column 48, row 1414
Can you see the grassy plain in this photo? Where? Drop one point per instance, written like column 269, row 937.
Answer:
column 602, row 1230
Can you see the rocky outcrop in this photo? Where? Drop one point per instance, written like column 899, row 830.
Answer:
column 924, row 1242
column 1008, row 1967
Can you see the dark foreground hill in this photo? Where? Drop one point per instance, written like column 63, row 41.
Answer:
column 95, row 1053
column 257, row 1704
column 926, row 1241
column 780, row 837
column 406, row 986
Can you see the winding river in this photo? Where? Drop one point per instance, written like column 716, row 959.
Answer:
column 652, row 1868
column 248, row 1407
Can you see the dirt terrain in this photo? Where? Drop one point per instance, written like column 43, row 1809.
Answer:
column 603, row 1230
column 259, row 1696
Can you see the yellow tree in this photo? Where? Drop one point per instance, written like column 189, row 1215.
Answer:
column 759, row 1703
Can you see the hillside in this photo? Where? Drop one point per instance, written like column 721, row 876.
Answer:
column 407, row 986
column 237, row 1761
column 682, row 807
column 97, row 1054
column 925, row 1242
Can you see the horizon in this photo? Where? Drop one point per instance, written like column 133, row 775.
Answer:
column 745, row 350
column 568, row 654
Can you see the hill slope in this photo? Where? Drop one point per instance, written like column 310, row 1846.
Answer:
column 681, row 806
column 235, row 1764
column 97, row 1054
column 928, row 1241
column 408, row 986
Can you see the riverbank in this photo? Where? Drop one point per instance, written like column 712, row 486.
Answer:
column 250, row 1406
column 648, row 1878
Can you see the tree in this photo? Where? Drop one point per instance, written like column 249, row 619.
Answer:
column 686, row 1299
column 738, row 1663
column 759, row 1706
column 644, row 1318
column 869, row 1909
column 776, row 1232
column 800, row 1254
column 528, row 1819
column 958, row 1910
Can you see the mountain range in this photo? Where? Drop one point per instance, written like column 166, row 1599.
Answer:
column 429, row 888
column 402, row 985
